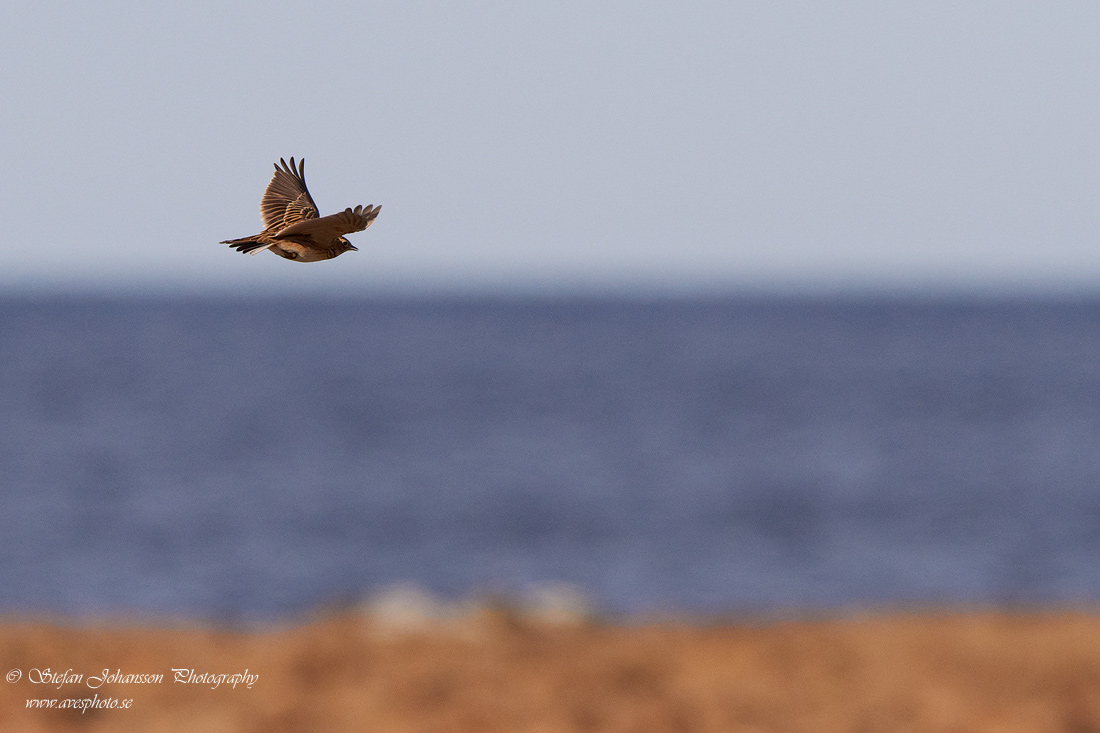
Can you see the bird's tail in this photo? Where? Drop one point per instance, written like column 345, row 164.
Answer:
column 248, row 245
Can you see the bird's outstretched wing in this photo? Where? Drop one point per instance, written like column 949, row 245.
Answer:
column 330, row 227
column 286, row 200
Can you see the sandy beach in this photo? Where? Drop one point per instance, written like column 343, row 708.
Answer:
column 495, row 669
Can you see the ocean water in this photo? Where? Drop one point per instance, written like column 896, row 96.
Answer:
column 255, row 458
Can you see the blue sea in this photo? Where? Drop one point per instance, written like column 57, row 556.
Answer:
column 242, row 458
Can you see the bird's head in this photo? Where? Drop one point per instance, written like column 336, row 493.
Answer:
column 346, row 246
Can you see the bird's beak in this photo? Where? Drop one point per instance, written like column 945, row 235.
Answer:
column 353, row 248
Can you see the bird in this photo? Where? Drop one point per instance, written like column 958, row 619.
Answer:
column 294, row 228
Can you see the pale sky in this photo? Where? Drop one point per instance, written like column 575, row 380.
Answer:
column 555, row 145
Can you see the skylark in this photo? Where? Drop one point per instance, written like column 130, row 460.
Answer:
column 292, row 228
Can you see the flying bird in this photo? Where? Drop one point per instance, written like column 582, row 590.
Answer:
column 294, row 228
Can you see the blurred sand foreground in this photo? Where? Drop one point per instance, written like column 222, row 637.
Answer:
column 499, row 669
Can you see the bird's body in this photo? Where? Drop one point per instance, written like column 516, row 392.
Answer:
column 294, row 228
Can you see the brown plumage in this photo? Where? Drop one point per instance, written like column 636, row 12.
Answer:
column 293, row 228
